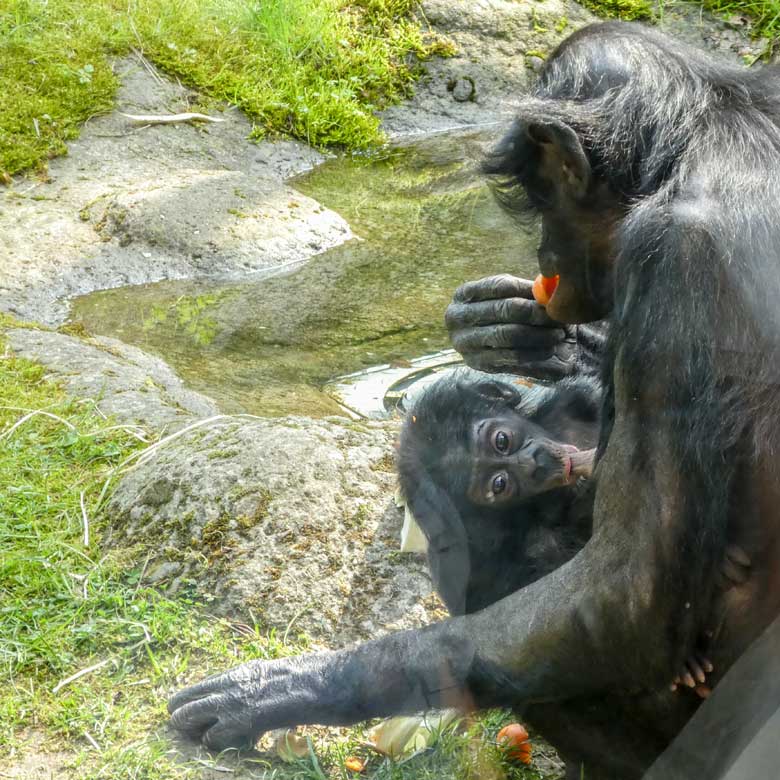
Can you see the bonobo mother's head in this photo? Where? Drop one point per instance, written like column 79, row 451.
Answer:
column 597, row 135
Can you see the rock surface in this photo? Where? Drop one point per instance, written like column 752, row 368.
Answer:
column 498, row 43
column 287, row 522
column 123, row 381
column 134, row 203
column 501, row 44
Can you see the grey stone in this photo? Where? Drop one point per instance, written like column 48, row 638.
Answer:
column 463, row 89
column 123, row 381
column 289, row 522
column 499, row 43
column 131, row 204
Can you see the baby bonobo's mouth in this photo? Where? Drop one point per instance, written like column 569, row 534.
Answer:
column 577, row 463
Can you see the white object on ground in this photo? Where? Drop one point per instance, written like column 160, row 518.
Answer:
column 412, row 537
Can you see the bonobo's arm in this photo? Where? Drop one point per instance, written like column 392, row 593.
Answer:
column 592, row 624
column 497, row 326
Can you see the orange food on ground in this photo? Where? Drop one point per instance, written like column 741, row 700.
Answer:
column 513, row 739
column 544, row 287
column 354, row 764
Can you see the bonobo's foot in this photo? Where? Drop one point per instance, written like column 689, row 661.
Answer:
column 735, row 570
column 580, row 463
column 694, row 675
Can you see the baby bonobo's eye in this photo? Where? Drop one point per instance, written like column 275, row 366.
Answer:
column 501, row 442
column 498, row 485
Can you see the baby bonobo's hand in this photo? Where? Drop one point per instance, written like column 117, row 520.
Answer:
column 735, row 571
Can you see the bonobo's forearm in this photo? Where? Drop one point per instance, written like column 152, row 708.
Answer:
column 558, row 638
column 405, row 672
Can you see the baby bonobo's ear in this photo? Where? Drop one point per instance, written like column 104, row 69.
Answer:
column 570, row 412
column 497, row 390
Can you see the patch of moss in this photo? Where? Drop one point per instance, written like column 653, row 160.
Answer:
column 214, row 532
column 764, row 15
column 222, row 454
column 385, row 463
column 77, row 329
column 246, row 522
column 628, row 10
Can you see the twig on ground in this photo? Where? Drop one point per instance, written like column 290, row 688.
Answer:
column 81, row 673
column 85, row 519
column 168, row 119
column 30, row 414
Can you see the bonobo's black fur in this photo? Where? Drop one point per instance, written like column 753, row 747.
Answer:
column 478, row 555
column 655, row 170
column 683, row 145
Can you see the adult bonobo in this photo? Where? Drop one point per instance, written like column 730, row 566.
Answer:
column 654, row 171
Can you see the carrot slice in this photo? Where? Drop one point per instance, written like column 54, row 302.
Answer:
column 544, row 287
column 513, row 739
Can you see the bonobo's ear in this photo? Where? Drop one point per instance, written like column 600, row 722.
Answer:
column 494, row 390
column 564, row 154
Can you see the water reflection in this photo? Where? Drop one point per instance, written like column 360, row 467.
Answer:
column 426, row 223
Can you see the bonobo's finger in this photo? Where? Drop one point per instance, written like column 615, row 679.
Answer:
column 738, row 555
column 195, row 692
column 696, row 671
column 706, row 664
column 195, row 717
column 550, row 367
column 734, row 573
column 502, row 310
column 227, row 733
column 703, row 691
column 497, row 286
column 518, row 337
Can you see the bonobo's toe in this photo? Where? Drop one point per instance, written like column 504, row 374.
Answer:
column 694, row 675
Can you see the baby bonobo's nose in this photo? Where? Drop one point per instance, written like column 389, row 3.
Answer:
column 546, row 463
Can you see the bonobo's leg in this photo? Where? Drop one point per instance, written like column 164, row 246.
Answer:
column 735, row 571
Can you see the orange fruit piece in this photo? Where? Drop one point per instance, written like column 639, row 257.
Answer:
column 354, row 764
column 544, row 287
column 513, row 739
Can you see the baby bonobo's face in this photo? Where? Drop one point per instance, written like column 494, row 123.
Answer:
column 514, row 459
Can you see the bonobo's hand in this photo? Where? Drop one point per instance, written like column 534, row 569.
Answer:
column 398, row 674
column 496, row 326
column 234, row 708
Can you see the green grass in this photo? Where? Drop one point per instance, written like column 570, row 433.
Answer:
column 315, row 69
column 764, row 14
column 67, row 606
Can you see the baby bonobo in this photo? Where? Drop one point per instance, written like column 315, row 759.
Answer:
column 497, row 474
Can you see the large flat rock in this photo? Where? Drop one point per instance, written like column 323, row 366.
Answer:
column 290, row 523
column 139, row 203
